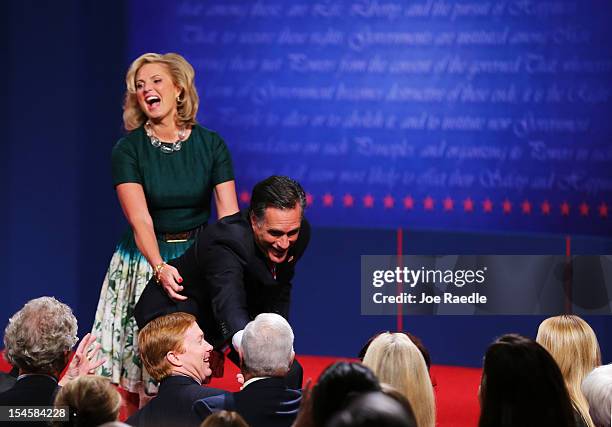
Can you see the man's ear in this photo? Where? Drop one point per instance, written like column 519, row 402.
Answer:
column 173, row 359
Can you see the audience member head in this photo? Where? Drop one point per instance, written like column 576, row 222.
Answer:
column 267, row 347
column 224, row 419
column 522, row 386
column 115, row 424
column 91, row 401
column 337, row 386
column 38, row 338
column 416, row 340
column 374, row 409
column 174, row 345
column 597, row 388
column 396, row 360
column 573, row 344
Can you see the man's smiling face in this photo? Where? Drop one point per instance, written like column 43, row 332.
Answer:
column 277, row 231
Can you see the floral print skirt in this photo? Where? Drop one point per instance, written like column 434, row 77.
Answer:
column 114, row 325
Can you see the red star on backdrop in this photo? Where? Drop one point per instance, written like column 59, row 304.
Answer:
column 545, row 207
column 603, row 210
column 448, row 204
column 507, row 206
column 468, row 205
column 245, row 197
column 348, row 201
column 328, row 200
column 428, row 203
column 584, row 209
column 408, row 202
column 368, row 201
column 565, row 208
column 388, row 201
column 309, row 199
column 526, row 207
column 487, row 205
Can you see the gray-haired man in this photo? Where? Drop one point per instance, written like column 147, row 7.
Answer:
column 266, row 355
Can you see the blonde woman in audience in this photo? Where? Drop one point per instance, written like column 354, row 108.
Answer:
column 224, row 419
column 573, row 345
column 91, row 400
column 397, row 361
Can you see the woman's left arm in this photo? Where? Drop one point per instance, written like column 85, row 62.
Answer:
column 225, row 199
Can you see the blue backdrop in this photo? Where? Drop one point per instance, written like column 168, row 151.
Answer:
column 480, row 115
column 64, row 75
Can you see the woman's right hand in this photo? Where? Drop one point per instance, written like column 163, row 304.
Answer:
column 170, row 279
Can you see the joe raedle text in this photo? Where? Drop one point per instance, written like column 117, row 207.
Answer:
column 423, row 298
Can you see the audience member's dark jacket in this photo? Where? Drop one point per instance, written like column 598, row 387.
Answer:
column 173, row 404
column 263, row 403
column 8, row 380
column 31, row 390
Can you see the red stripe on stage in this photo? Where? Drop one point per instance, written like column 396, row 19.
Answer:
column 400, row 288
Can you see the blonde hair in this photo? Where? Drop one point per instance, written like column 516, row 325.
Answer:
column 92, row 401
column 158, row 337
column 573, row 344
column 397, row 361
column 183, row 77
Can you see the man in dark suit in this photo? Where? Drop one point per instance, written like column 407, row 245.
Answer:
column 238, row 267
column 37, row 341
column 174, row 352
column 266, row 353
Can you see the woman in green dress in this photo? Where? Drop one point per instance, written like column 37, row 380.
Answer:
column 165, row 171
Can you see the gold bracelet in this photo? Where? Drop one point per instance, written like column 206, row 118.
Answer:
column 158, row 269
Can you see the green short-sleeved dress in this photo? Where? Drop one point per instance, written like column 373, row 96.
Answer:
column 178, row 188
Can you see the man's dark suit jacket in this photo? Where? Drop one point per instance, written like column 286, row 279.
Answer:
column 31, row 390
column 264, row 403
column 8, row 379
column 173, row 405
column 227, row 280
